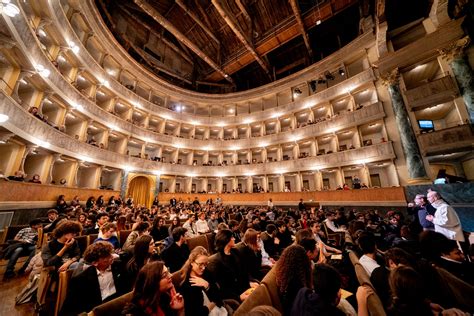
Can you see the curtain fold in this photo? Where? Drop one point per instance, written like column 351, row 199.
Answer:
column 139, row 190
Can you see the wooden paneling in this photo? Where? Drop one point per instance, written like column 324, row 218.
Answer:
column 20, row 191
column 395, row 195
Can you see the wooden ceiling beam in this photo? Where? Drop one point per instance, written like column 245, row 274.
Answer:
column 234, row 26
column 186, row 41
column 297, row 13
column 196, row 19
column 159, row 36
column 246, row 15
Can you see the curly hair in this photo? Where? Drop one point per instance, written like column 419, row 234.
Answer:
column 98, row 250
column 293, row 269
column 67, row 227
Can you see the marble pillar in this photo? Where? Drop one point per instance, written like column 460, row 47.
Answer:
column 123, row 185
column 463, row 73
column 414, row 160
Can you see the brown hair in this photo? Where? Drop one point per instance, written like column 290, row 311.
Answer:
column 67, row 227
column 108, row 226
column 98, row 250
column 251, row 238
column 186, row 269
column 293, row 267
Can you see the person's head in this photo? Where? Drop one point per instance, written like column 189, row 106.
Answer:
column 420, row 199
column 302, row 234
column 224, row 238
column 331, row 216
column 309, row 245
column 158, row 222
column 395, row 257
column 191, row 218
column 430, row 242
column 406, row 285
column 178, row 234
column 67, row 230
column 52, row 215
column 366, row 243
column 35, row 223
column 196, row 263
column 393, row 220
column 450, row 250
column 293, row 269
column 99, row 254
column 108, row 229
column 153, row 280
column 222, row 226
column 142, row 250
column 271, row 229
column 327, row 283
column 281, row 225
column 433, row 196
column 202, row 216
column 213, row 216
column 251, row 237
column 233, row 225
column 82, row 218
column 315, row 227
column 142, row 227
column 36, row 177
column 175, row 222
column 102, row 218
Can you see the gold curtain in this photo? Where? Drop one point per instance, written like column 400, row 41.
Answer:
column 139, row 189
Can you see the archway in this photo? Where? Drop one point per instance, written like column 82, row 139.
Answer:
column 139, row 189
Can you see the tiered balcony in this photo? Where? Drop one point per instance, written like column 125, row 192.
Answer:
column 432, row 93
column 446, row 141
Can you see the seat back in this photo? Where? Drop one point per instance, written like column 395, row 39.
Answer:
column 353, row 257
column 64, row 278
column 11, row 231
column 270, row 282
column 113, row 307
column 82, row 243
column 200, row 240
column 362, row 275
column 91, row 238
column 375, row 306
column 39, row 242
column 211, row 237
column 260, row 296
column 123, row 235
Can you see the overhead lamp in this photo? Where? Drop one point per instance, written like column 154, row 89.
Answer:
column 342, row 72
column 43, row 72
column 318, row 22
column 9, row 8
column 3, row 118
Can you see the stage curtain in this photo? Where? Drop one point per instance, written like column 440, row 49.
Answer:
column 139, row 190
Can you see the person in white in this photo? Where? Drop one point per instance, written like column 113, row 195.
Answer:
column 445, row 219
column 190, row 226
column 201, row 224
column 329, row 221
column 369, row 248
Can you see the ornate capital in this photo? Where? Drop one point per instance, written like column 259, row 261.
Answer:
column 456, row 49
column 391, row 78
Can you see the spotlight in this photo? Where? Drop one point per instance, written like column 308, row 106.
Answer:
column 342, row 72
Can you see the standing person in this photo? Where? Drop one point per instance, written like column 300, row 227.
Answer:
column 420, row 210
column 173, row 202
column 445, row 219
column 26, row 243
column 156, row 202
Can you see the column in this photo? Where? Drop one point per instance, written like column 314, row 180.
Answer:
column 365, row 175
column 190, row 158
column 249, row 184
column 296, row 151
column 56, row 157
column 220, row 184
column 279, row 154
column 123, row 184
column 249, row 131
column 265, row 183
column 463, row 73
column 157, row 184
column 318, row 180
column 188, row 185
column 298, row 182
column 414, row 160
column 312, row 149
column 172, row 187
column 263, row 155
column 29, row 149
column 262, row 129
column 281, row 183
column 249, row 156
column 277, row 126
column 338, row 177
column 235, row 184
column 204, row 182
column 311, row 115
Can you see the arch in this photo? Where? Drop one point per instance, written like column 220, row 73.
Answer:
column 139, row 189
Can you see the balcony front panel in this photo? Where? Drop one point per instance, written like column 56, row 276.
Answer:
column 432, row 93
column 450, row 140
column 30, row 128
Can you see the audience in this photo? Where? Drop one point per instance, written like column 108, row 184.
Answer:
column 143, row 251
column 63, row 252
column 159, row 230
column 176, row 254
column 140, row 229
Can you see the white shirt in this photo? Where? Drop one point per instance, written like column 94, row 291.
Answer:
column 265, row 257
column 191, row 229
column 330, row 225
column 369, row 264
column 446, row 221
column 106, row 283
column 202, row 227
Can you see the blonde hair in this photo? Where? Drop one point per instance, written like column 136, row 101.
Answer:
column 186, row 269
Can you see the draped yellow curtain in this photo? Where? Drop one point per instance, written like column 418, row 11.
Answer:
column 139, row 190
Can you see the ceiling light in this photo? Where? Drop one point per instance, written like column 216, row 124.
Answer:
column 74, row 48
column 3, row 118
column 342, row 72
column 43, row 72
column 41, row 32
column 318, row 22
column 9, row 9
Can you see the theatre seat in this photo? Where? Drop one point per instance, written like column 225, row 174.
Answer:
column 64, row 278
column 362, row 275
column 113, row 307
column 200, row 240
column 270, row 282
column 260, row 296
column 123, row 235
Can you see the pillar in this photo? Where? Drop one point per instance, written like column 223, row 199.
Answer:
column 157, row 184
column 249, row 184
column 318, row 180
column 281, row 183
column 220, row 184
column 298, row 182
column 463, row 73
column 123, row 184
column 414, row 160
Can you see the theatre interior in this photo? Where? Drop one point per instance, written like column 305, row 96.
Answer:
column 267, row 118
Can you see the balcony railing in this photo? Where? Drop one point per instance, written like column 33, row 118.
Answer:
column 455, row 139
column 432, row 93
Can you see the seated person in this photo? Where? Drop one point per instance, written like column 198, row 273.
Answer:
column 63, row 251
column 283, row 235
column 23, row 243
column 226, row 268
column 201, row 224
column 140, row 229
column 316, row 230
column 99, row 283
column 159, row 230
column 108, row 234
column 196, row 283
column 452, row 260
column 154, row 293
column 250, row 255
column 101, row 219
column 368, row 260
column 144, row 252
column 268, row 239
column 177, row 254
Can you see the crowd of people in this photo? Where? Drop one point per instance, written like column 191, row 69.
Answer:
column 400, row 251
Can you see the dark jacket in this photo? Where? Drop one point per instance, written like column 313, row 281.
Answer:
column 251, row 261
column 50, row 250
column 230, row 276
column 194, row 299
column 175, row 256
column 308, row 303
column 84, row 290
column 159, row 233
